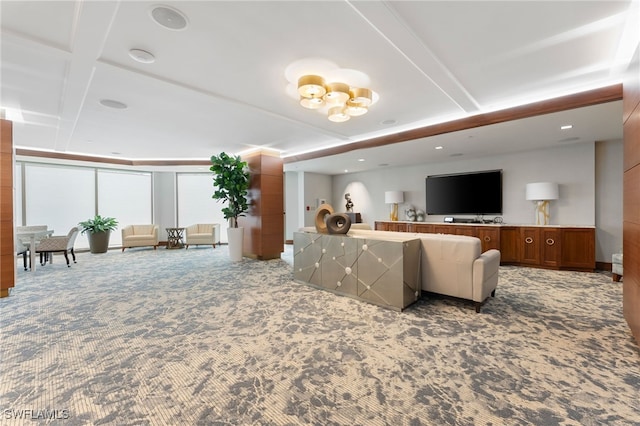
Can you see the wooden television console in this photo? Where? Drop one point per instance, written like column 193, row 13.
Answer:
column 543, row 246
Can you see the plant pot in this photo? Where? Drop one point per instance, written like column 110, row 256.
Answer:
column 235, row 237
column 99, row 241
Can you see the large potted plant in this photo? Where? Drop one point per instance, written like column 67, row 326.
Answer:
column 231, row 183
column 98, row 230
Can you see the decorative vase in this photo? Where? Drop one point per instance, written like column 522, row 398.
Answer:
column 235, row 238
column 98, row 241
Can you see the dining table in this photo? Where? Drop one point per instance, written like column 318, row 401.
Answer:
column 30, row 238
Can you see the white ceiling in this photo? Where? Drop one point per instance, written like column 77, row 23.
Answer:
column 219, row 84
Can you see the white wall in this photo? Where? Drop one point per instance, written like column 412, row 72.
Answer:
column 609, row 178
column 316, row 187
column 293, row 213
column 572, row 167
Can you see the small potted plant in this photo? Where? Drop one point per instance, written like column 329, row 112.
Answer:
column 98, row 230
column 231, row 182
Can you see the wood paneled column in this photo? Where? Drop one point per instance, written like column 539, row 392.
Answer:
column 631, row 198
column 264, row 223
column 7, row 249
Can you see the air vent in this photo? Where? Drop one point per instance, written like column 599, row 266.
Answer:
column 571, row 139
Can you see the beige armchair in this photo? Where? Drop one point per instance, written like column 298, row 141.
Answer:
column 140, row 236
column 62, row 243
column 202, row 233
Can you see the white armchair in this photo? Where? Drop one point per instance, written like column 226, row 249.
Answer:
column 202, row 233
column 140, row 236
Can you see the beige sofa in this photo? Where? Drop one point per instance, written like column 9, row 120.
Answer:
column 452, row 265
column 140, row 236
column 202, row 233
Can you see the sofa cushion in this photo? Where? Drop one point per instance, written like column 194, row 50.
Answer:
column 142, row 229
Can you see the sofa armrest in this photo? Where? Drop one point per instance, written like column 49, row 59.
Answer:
column 126, row 231
column 485, row 274
column 216, row 233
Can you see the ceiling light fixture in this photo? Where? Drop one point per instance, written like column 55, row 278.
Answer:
column 142, row 56
column 566, row 127
column 338, row 114
column 342, row 101
column 110, row 103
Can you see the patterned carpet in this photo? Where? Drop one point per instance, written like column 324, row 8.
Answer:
column 180, row 337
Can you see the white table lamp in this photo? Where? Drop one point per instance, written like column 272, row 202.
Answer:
column 393, row 198
column 541, row 193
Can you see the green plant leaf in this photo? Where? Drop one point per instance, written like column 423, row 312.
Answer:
column 98, row 224
column 231, row 183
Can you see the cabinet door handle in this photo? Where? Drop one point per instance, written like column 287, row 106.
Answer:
column 550, row 241
column 487, row 238
column 528, row 240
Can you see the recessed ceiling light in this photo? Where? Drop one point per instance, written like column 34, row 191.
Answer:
column 383, row 164
column 566, row 127
column 142, row 56
column 116, row 153
column 388, row 122
column 439, row 147
column 110, row 103
column 346, row 171
column 457, row 154
column 169, row 17
column 361, row 159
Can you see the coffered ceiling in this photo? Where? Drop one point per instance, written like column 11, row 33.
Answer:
column 219, row 84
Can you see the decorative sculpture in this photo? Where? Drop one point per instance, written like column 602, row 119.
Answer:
column 338, row 223
column 349, row 204
column 322, row 212
column 410, row 213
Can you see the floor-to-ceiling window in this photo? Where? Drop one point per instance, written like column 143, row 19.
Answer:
column 194, row 202
column 61, row 196
column 58, row 196
column 125, row 196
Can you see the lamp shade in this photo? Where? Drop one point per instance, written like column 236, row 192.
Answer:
column 391, row 197
column 542, row 191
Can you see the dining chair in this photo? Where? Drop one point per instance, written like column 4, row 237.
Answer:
column 60, row 243
column 22, row 249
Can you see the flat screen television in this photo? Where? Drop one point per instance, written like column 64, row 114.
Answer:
column 477, row 193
